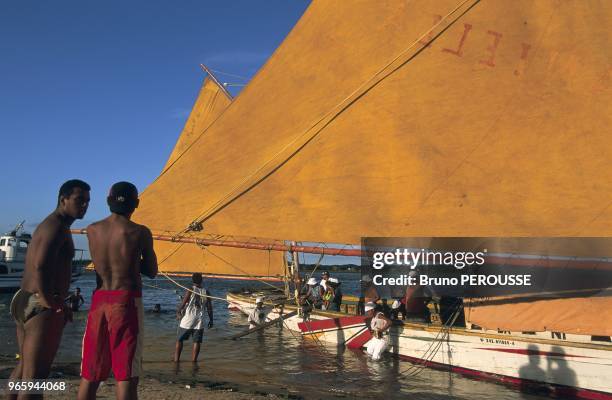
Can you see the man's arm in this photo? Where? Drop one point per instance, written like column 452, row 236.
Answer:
column 82, row 300
column 251, row 317
column 209, row 309
column 181, row 306
column 148, row 264
column 44, row 254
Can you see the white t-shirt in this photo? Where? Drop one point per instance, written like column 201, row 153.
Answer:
column 194, row 310
column 323, row 283
column 258, row 316
column 378, row 322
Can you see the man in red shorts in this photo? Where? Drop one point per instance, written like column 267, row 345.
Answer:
column 120, row 250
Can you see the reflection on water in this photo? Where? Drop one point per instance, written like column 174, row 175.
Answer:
column 273, row 358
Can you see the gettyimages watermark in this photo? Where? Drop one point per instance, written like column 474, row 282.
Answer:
column 488, row 267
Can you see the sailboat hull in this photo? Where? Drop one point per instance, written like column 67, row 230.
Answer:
column 538, row 362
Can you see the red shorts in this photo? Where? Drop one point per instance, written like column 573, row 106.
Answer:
column 113, row 336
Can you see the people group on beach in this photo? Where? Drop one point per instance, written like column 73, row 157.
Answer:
column 121, row 251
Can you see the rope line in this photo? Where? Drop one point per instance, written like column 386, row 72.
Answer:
column 228, row 74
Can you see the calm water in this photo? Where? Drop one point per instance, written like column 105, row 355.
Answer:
column 275, row 359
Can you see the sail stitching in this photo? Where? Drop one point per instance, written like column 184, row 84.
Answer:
column 266, row 169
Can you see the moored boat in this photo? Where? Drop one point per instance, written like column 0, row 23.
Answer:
column 571, row 366
column 13, row 248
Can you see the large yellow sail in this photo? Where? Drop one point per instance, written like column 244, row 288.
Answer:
column 211, row 102
column 499, row 127
column 420, row 118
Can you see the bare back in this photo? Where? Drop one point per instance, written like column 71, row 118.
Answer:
column 121, row 250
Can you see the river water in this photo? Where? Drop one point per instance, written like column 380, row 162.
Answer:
column 275, row 360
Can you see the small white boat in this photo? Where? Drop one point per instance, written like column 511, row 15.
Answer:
column 13, row 248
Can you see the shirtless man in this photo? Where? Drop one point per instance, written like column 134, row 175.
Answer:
column 121, row 250
column 38, row 307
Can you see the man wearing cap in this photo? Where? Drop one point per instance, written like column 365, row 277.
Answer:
column 336, row 300
column 397, row 310
column 379, row 326
column 313, row 293
column 257, row 316
column 121, row 250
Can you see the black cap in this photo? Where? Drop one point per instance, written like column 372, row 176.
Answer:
column 123, row 198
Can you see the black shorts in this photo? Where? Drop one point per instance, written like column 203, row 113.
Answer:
column 25, row 305
column 184, row 334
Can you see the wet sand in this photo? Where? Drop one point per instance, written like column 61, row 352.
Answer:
column 152, row 387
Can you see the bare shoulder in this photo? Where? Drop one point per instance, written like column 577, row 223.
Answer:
column 145, row 232
column 95, row 227
column 50, row 227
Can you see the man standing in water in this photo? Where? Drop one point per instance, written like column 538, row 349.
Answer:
column 75, row 300
column 120, row 250
column 191, row 314
column 38, row 307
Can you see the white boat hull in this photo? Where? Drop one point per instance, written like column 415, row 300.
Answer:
column 11, row 282
column 565, row 368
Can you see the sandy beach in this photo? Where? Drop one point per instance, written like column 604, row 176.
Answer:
column 152, row 387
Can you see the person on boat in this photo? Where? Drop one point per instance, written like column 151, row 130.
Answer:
column 191, row 314
column 324, row 279
column 336, row 300
column 75, row 300
column 370, row 294
column 384, row 307
column 313, row 293
column 257, row 316
column 328, row 295
column 369, row 309
column 397, row 310
column 414, row 303
column 379, row 326
column 38, row 307
column 121, row 251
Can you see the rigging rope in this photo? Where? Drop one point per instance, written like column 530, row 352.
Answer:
column 228, row 74
column 243, row 271
column 418, row 366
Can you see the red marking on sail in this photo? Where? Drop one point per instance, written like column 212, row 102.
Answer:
column 459, row 51
column 492, row 49
column 534, row 353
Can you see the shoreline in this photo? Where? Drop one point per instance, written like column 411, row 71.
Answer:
column 153, row 386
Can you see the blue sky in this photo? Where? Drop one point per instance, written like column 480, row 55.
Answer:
column 100, row 90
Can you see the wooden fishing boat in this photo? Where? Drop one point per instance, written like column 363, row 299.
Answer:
column 565, row 365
